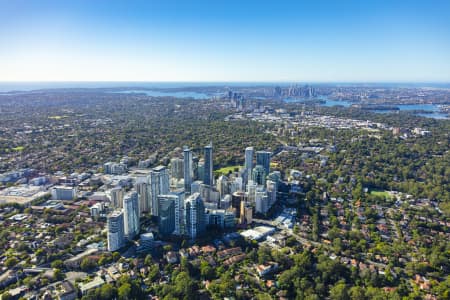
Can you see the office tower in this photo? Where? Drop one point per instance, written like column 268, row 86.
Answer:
column 200, row 170
column 196, row 187
column 222, row 186
column 251, row 191
column 159, row 185
column 275, row 176
column 176, row 168
column 246, row 213
column 259, row 175
column 115, row 227
column 64, row 193
column 236, row 185
column 208, row 175
column 116, row 195
column 195, row 215
column 142, row 188
column 272, row 189
column 249, row 160
column 262, row 201
column 131, row 214
column 188, row 172
column 166, row 215
column 195, row 172
column 220, row 218
column 96, row 209
column 225, row 202
column 263, row 159
column 236, row 199
column 114, row 168
column 179, row 212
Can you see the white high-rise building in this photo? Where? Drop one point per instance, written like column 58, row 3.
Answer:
column 195, row 215
column 251, row 191
column 261, row 201
column 131, row 214
column 249, row 160
column 180, row 227
column 115, row 227
column 222, row 186
column 159, row 185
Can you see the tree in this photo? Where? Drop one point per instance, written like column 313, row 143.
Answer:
column 339, row 291
column 107, row 291
column 153, row 273
column 148, row 260
column 87, row 264
column 263, row 255
column 124, row 291
column 206, row 271
column 116, row 256
column 185, row 286
column 58, row 274
column 11, row 262
column 57, row 264
column 357, row 293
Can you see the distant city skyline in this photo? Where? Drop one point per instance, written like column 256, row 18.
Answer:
column 232, row 41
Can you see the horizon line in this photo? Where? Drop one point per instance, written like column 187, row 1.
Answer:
column 223, row 81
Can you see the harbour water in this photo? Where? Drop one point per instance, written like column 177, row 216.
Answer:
column 153, row 93
column 429, row 110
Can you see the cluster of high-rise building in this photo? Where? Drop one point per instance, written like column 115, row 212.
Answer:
column 186, row 197
column 123, row 224
column 306, row 91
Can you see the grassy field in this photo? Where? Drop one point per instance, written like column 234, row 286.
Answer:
column 20, row 148
column 383, row 194
column 226, row 170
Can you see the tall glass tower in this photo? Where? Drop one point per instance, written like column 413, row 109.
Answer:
column 249, row 159
column 263, row 159
column 188, row 171
column 208, row 176
column 131, row 214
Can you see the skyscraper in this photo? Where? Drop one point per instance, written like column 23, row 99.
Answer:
column 115, row 227
column 259, row 175
column 251, row 191
column 208, row 175
column 222, row 186
column 176, row 168
column 195, row 215
column 179, row 212
column 262, row 201
column 131, row 214
column 249, row 160
column 166, row 215
column 188, row 172
column 142, row 188
column 272, row 192
column 159, row 185
column 116, row 195
column 263, row 159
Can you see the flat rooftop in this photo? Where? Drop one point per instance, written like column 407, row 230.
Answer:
column 22, row 194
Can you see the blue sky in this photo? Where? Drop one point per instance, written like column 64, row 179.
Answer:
column 308, row 41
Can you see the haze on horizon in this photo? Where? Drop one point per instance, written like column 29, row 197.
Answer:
column 253, row 41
